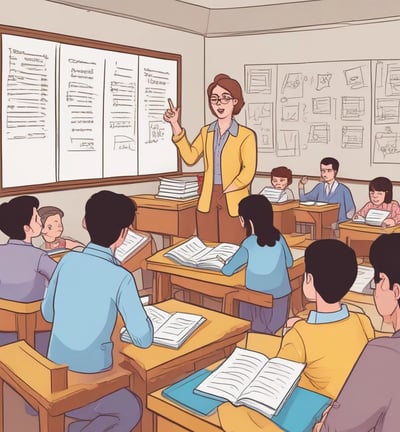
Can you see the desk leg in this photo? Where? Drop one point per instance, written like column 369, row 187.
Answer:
column 139, row 386
column 163, row 288
column 26, row 324
column 48, row 423
column 318, row 226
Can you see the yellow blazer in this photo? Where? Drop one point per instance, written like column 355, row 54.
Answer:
column 238, row 163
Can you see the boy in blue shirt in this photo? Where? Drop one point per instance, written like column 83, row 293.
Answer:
column 84, row 295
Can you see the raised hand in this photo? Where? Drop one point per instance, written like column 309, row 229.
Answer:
column 303, row 181
column 171, row 116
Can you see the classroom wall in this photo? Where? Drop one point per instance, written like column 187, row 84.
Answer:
column 52, row 17
column 350, row 42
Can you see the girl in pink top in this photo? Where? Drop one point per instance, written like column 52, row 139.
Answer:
column 380, row 198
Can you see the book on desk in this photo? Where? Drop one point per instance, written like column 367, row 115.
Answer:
column 274, row 195
column 313, row 203
column 373, row 217
column 170, row 330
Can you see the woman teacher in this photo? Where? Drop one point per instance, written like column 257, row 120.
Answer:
column 230, row 159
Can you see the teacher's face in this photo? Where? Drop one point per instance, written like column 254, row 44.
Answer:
column 222, row 102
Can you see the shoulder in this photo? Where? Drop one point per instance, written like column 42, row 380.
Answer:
column 394, row 203
column 343, row 187
column 361, row 318
column 246, row 132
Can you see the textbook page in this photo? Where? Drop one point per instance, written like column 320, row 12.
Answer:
column 297, row 253
column 215, row 258
column 189, row 252
column 158, row 316
column 131, row 243
column 376, row 217
column 273, row 195
column 362, row 284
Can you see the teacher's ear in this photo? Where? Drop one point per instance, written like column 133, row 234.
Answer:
column 84, row 223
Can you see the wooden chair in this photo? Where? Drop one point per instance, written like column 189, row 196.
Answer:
column 52, row 389
column 19, row 317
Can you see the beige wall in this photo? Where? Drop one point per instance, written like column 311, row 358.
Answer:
column 51, row 17
column 366, row 41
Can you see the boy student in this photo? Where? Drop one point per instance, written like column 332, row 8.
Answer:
column 332, row 338
column 370, row 398
column 84, row 295
column 330, row 190
column 24, row 269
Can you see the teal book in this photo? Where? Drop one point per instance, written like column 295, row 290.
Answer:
column 182, row 394
column 301, row 411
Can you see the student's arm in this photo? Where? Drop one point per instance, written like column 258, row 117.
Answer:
column 349, row 205
column 309, row 196
column 47, row 306
column 364, row 397
column 363, row 211
column 288, row 254
column 190, row 153
column 394, row 216
column 292, row 346
column 367, row 326
column 239, row 258
column 136, row 321
column 46, row 266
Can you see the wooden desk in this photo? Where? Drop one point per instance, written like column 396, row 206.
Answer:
column 165, row 216
column 157, row 367
column 360, row 236
column 211, row 283
column 320, row 216
column 284, row 219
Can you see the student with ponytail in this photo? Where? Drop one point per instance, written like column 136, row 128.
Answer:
column 267, row 256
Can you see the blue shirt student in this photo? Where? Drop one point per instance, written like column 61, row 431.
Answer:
column 266, row 266
column 92, row 287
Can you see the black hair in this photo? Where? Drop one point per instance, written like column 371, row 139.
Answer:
column 106, row 214
column 17, row 213
column 382, row 184
column 333, row 266
column 258, row 209
column 384, row 256
column 330, row 161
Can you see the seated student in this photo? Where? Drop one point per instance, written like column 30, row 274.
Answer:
column 381, row 198
column 24, row 269
column 332, row 338
column 281, row 178
column 267, row 256
column 330, row 190
column 82, row 300
column 370, row 398
column 53, row 228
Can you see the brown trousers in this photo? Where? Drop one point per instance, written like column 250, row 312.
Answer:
column 217, row 225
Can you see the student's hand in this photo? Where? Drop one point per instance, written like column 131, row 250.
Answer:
column 292, row 321
column 171, row 115
column 355, row 217
column 318, row 425
column 388, row 222
column 302, row 182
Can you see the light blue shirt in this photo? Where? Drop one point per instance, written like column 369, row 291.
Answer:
column 315, row 317
column 85, row 293
column 219, row 142
column 266, row 266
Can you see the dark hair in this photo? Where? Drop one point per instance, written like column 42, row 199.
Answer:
column 331, row 161
column 47, row 211
column 384, row 256
column 282, row 171
column 232, row 86
column 382, row 184
column 333, row 265
column 106, row 214
column 258, row 209
column 15, row 214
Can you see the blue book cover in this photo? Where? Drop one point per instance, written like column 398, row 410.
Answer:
column 182, row 394
column 301, row 411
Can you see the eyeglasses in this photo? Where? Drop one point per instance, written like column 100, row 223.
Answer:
column 223, row 99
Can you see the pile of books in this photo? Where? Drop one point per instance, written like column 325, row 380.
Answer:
column 178, row 187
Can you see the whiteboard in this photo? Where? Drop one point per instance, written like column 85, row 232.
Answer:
column 76, row 113
column 349, row 110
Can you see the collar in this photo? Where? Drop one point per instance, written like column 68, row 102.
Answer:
column 101, row 252
column 233, row 128
column 19, row 242
column 315, row 317
column 333, row 187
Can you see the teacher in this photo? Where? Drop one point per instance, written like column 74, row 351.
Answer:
column 230, row 159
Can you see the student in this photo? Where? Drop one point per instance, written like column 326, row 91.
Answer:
column 51, row 218
column 230, row 158
column 332, row 338
column 370, row 398
column 84, row 295
column 24, row 269
column 381, row 198
column 267, row 256
column 281, row 178
column 330, row 190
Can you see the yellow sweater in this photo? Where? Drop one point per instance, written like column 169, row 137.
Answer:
column 329, row 350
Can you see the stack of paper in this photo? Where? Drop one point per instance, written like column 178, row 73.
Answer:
column 178, row 187
column 274, row 195
column 364, row 280
column 132, row 243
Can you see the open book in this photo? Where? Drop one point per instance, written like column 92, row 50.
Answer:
column 194, row 253
column 373, row 217
column 131, row 244
column 170, row 330
column 364, row 280
column 274, row 195
column 250, row 378
column 312, row 203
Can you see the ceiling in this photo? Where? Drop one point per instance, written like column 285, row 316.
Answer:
column 221, row 18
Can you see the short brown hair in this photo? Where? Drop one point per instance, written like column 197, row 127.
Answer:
column 232, row 86
column 47, row 211
column 382, row 184
column 284, row 172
